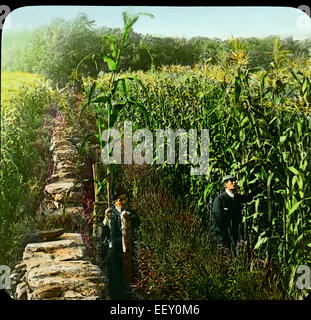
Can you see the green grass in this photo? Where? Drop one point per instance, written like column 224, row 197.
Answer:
column 24, row 158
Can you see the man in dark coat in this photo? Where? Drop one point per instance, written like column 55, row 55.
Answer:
column 113, row 243
column 227, row 213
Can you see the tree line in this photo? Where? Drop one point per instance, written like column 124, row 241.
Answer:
column 55, row 50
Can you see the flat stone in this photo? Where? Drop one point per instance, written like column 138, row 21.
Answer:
column 64, row 151
column 61, row 142
column 68, row 275
column 56, row 251
column 59, row 187
column 61, row 136
column 65, row 165
column 72, row 295
column 67, row 155
column 51, row 234
column 73, row 197
column 46, row 292
column 69, row 212
column 49, row 246
column 77, row 237
column 65, row 254
column 62, row 175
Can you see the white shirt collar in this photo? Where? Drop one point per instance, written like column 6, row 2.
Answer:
column 118, row 208
column 230, row 194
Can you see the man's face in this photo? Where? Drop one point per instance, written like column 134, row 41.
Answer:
column 231, row 185
column 121, row 202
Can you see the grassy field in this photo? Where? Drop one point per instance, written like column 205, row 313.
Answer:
column 13, row 82
column 24, row 154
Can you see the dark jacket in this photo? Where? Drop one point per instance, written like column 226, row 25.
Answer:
column 227, row 217
column 112, row 251
column 112, row 232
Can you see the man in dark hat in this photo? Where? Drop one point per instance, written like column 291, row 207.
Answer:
column 112, row 244
column 117, row 242
column 227, row 212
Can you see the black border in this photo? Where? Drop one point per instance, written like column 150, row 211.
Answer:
column 101, row 308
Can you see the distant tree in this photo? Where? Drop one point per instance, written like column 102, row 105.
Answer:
column 206, row 49
column 57, row 49
column 14, row 44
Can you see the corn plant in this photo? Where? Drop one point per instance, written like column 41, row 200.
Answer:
column 255, row 131
column 103, row 99
column 304, row 86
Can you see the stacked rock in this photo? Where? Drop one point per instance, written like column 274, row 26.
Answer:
column 55, row 265
column 58, row 269
column 63, row 187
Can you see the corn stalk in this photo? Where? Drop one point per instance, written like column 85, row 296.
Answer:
column 104, row 99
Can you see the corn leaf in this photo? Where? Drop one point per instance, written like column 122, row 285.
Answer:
column 112, row 65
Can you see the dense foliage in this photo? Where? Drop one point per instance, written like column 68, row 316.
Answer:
column 53, row 51
column 252, row 95
column 259, row 126
column 24, row 157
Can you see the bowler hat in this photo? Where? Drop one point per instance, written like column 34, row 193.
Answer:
column 228, row 177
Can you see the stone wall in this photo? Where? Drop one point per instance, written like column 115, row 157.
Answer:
column 55, row 265
column 58, row 270
column 64, row 180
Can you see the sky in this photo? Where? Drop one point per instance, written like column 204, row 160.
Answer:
column 187, row 22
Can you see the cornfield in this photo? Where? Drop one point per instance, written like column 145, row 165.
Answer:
column 259, row 124
column 260, row 129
